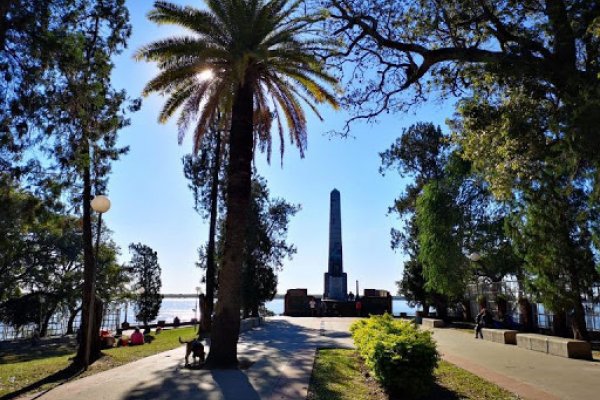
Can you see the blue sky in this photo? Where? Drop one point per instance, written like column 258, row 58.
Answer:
column 151, row 203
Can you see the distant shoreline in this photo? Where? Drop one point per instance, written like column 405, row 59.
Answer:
column 277, row 296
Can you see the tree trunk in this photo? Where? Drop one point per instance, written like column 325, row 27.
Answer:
column 425, row 310
column 210, row 251
column 559, row 324
column 89, row 269
column 226, row 326
column 96, row 348
column 46, row 321
column 578, row 325
column 73, row 313
column 466, row 310
column 441, row 306
column 525, row 314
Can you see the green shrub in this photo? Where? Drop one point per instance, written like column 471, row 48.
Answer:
column 400, row 356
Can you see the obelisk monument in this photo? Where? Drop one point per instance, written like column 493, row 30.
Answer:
column 336, row 280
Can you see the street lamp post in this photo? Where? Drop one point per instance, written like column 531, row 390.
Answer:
column 100, row 204
column 196, row 314
column 475, row 257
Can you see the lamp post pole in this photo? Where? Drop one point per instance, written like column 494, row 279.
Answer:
column 475, row 257
column 198, row 306
column 100, row 204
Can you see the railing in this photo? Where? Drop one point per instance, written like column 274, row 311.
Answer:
column 542, row 318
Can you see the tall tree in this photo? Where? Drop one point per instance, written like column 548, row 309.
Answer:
column 419, row 153
column 93, row 112
column 518, row 143
column 146, row 271
column 266, row 246
column 206, row 171
column 262, row 58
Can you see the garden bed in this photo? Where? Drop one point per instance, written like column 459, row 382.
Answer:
column 341, row 374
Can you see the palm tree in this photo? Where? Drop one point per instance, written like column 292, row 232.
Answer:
column 263, row 67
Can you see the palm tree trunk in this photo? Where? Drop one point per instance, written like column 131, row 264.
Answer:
column 226, row 326
column 210, row 256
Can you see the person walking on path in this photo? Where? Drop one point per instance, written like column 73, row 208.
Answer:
column 480, row 321
column 313, row 307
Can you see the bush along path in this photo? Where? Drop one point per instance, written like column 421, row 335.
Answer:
column 341, row 374
column 394, row 360
column 400, row 356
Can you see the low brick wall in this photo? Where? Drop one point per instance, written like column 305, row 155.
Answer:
column 504, row 336
column 556, row 346
column 433, row 323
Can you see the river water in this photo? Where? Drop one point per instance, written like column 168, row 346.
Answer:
column 185, row 309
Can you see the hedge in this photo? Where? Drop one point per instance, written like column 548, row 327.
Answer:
column 400, row 356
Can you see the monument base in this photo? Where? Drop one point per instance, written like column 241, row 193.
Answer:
column 336, row 287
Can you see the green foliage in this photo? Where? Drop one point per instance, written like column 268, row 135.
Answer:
column 401, row 357
column 146, row 271
column 266, row 246
column 438, row 217
column 254, row 43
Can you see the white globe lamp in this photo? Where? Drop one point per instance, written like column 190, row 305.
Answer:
column 101, row 204
column 475, row 256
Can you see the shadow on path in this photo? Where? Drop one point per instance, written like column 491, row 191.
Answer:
column 269, row 349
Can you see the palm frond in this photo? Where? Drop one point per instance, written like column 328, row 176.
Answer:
column 199, row 21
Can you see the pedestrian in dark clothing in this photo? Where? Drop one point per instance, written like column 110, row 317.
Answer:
column 480, row 322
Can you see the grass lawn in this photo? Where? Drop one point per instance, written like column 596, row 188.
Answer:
column 340, row 375
column 41, row 368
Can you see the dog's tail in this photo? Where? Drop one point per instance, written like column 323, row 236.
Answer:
column 183, row 341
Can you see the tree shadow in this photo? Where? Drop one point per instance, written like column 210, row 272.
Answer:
column 262, row 352
column 28, row 352
column 195, row 384
column 439, row 392
column 60, row 377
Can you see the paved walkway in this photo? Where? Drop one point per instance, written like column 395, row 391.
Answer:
column 281, row 354
column 530, row 374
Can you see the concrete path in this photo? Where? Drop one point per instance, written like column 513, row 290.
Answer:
column 281, row 354
column 530, row 374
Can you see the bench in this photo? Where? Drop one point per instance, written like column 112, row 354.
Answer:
column 556, row 346
column 504, row 336
column 433, row 323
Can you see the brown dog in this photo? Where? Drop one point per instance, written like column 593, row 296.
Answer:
column 195, row 348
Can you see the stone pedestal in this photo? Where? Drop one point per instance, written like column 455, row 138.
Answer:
column 336, row 287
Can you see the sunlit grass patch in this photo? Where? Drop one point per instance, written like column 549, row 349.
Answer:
column 40, row 368
column 340, row 375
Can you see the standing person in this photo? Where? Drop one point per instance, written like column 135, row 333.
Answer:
column 480, row 321
column 313, row 307
column 358, row 306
